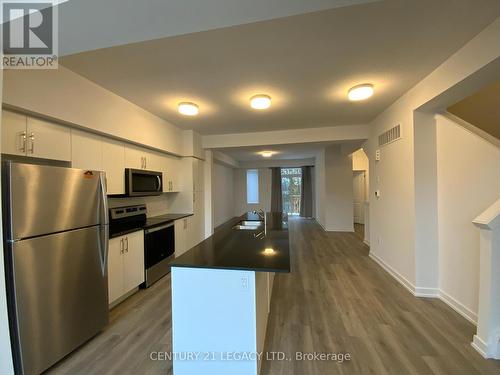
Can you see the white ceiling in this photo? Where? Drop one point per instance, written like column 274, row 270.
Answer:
column 281, row 152
column 115, row 22
column 305, row 62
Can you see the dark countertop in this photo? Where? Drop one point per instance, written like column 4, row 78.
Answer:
column 234, row 249
column 122, row 229
column 157, row 220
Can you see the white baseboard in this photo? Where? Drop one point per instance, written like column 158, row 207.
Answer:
column 458, row 307
column 427, row 292
column 366, row 242
column 321, row 225
column 480, row 346
column 402, row 280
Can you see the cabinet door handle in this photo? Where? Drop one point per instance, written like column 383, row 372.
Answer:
column 32, row 138
column 145, row 162
column 126, row 241
column 22, row 137
column 121, row 246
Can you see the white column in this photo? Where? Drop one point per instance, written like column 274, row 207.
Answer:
column 487, row 339
column 338, row 194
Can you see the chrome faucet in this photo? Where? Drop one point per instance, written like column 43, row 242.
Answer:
column 262, row 214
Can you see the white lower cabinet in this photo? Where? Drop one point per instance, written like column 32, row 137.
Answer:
column 125, row 264
column 181, row 228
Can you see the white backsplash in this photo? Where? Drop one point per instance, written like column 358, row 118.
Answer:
column 156, row 205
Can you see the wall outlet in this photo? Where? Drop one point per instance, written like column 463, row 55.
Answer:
column 377, row 155
column 379, row 240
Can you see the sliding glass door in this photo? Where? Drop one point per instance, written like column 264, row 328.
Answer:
column 291, row 184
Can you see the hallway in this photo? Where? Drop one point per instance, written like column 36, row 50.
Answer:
column 336, row 299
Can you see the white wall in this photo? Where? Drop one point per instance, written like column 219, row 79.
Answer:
column 279, row 137
column 65, row 96
column 392, row 216
column 223, row 193
column 6, row 366
column 338, row 197
column 319, row 192
column 240, row 191
column 468, row 183
column 208, row 180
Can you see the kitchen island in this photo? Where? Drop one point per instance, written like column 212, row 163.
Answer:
column 221, row 292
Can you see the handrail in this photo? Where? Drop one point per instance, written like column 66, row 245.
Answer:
column 490, row 218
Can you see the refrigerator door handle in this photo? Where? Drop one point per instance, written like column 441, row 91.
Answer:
column 104, row 228
column 104, row 214
column 104, row 248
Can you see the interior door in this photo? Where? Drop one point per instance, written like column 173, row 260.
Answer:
column 60, row 285
column 359, row 197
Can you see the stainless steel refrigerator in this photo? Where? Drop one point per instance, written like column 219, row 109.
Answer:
column 56, row 246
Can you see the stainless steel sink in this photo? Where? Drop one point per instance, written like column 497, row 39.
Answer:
column 250, row 222
column 248, row 225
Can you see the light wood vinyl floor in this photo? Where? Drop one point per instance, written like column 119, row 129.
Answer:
column 336, row 299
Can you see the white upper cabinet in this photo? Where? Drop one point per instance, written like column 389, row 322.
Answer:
column 48, row 140
column 141, row 158
column 190, row 174
column 170, row 169
column 90, row 151
column 14, row 137
column 86, row 150
column 134, row 157
column 27, row 136
column 113, row 163
column 198, row 174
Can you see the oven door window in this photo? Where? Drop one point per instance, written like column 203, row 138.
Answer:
column 160, row 244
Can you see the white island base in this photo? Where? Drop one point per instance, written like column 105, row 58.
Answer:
column 219, row 320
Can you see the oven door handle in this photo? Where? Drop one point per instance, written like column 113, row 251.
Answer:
column 156, row 229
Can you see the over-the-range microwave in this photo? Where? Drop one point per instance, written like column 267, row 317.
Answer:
column 139, row 182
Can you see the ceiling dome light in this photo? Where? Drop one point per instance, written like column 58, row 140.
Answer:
column 360, row 92
column 260, row 101
column 188, row 109
column 267, row 154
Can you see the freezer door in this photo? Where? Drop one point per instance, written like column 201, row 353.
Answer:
column 45, row 199
column 60, row 292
